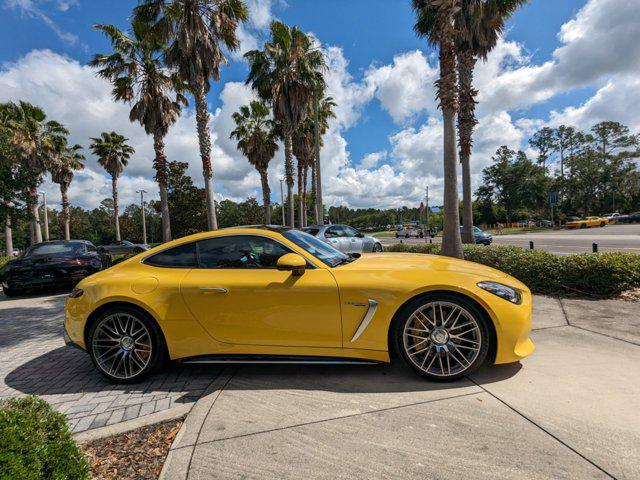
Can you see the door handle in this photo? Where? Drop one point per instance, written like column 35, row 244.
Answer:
column 213, row 290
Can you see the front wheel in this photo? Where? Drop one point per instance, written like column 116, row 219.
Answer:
column 442, row 337
column 10, row 292
column 602, row 224
column 377, row 248
column 125, row 346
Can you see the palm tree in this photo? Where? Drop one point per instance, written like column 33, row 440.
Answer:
column 322, row 112
column 435, row 21
column 257, row 140
column 113, row 154
column 286, row 73
column 68, row 160
column 199, row 32
column 140, row 78
column 303, row 143
column 35, row 139
column 479, row 24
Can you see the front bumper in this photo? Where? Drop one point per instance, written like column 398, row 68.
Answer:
column 68, row 342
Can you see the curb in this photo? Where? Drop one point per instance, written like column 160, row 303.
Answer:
column 128, row 425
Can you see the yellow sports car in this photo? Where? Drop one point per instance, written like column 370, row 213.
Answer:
column 588, row 222
column 273, row 294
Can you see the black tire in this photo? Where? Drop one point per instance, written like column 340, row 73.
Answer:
column 469, row 309
column 584, row 225
column 377, row 248
column 11, row 292
column 397, row 236
column 156, row 359
column 602, row 224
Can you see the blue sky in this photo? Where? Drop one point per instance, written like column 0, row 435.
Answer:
column 383, row 148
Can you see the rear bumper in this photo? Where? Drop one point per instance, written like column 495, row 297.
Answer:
column 59, row 278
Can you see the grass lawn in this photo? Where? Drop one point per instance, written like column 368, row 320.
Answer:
column 382, row 234
column 513, row 230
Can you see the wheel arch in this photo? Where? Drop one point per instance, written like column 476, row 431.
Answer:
column 493, row 336
column 108, row 305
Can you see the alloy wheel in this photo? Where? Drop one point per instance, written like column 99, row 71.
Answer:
column 442, row 339
column 122, row 345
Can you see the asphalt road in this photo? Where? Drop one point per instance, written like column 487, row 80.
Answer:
column 612, row 238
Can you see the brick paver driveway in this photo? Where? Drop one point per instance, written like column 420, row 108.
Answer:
column 34, row 360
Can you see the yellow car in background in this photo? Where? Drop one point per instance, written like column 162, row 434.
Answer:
column 279, row 295
column 588, row 222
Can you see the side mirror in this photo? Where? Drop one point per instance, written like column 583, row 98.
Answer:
column 292, row 262
column 360, row 235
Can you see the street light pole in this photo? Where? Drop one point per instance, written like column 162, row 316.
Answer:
column 144, row 223
column 282, row 200
column 427, row 205
column 46, row 216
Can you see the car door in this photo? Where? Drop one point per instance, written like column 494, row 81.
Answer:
column 353, row 239
column 240, row 297
column 335, row 236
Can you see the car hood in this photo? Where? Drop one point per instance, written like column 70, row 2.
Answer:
column 418, row 261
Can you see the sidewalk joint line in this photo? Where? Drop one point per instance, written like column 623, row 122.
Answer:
column 564, row 312
column 544, row 430
column 325, row 420
column 547, row 328
column 605, row 335
column 232, row 373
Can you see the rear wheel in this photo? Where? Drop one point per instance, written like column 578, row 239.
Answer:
column 442, row 337
column 602, row 224
column 125, row 345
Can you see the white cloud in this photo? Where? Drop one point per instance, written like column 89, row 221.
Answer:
column 29, row 8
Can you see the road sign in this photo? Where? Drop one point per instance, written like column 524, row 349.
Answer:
column 553, row 198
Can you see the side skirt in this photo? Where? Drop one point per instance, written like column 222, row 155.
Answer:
column 274, row 359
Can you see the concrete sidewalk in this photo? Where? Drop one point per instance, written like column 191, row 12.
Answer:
column 569, row 411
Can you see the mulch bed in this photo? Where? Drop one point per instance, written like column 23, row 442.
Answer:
column 138, row 454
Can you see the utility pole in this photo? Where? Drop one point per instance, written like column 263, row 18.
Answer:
column 144, row 223
column 427, row 204
column 282, row 200
column 46, row 216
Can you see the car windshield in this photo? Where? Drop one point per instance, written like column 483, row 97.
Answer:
column 56, row 249
column 317, row 248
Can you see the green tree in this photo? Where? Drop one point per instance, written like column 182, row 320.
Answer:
column 113, row 154
column 286, row 73
column 68, row 160
column 139, row 77
column 35, row 140
column 514, row 182
column 198, row 32
column 435, row 21
column 257, row 140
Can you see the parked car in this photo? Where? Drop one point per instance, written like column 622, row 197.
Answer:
column 611, row 216
column 50, row 264
column 587, row 222
column 481, row 237
column 545, row 223
column 277, row 295
column 631, row 218
column 123, row 247
column 345, row 238
column 408, row 232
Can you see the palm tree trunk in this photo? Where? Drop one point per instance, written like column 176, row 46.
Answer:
column 316, row 214
column 35, row 216
column 447, row 94
column 116, row 213
column 319, row 208
column 466, row 123
column 204, row 138
column 288, row 173
column 64, row 187
column 160, row 166
column 305, row 171
column 266, row 196
column 300, row 199
column 8, row 235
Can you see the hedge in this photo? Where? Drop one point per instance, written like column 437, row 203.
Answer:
column 4, row 260
column 592, row 274
column 35, row 443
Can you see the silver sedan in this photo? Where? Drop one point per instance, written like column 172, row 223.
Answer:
column 345, row 238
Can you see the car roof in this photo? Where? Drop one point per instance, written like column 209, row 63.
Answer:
column 271, row 228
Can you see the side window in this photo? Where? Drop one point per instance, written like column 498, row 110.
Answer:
column 182, row 256
column 335, row 231
column 350, row 232
column 240, row 251
column 91, row 247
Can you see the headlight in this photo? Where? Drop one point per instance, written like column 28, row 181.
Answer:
column 510, row 294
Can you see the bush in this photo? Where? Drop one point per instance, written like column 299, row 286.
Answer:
column 4, row 260
column 599, row 274
column 35, row 443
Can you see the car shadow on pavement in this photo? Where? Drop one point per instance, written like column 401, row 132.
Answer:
column 19, row 324
column 66, row 370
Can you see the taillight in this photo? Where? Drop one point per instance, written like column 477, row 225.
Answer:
column 76, row 292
